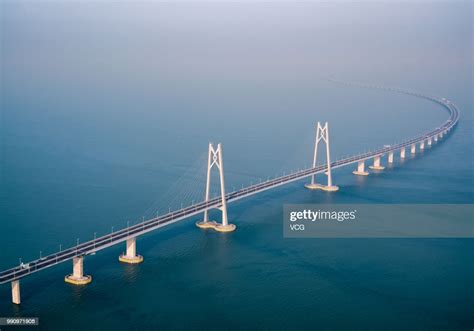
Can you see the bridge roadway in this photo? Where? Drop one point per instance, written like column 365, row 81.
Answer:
column 92, row 246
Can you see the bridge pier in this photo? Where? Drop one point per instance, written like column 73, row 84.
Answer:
column 429, row 141
column 77, row 277
column 360, row 171
column 131, row 254
column 322, row 133
column 422, row 144
column 376, row 165
column 390, row 157
column 435, row 138
column 413, row 149
column 402, row 153
column 215, row 159
column 16, row 292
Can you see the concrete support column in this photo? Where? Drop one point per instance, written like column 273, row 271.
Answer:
column 77, row 277
column 390, row 157
column 429, row 141
column 16, row 292
column 131, row 247
column 78, row 267
column 360, row 171
column 376, row 165
column 131, row 254
column 422, row 144
column 402, row 153
column 436, row 138
column 413, row 149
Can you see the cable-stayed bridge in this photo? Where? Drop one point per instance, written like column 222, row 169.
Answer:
column 130, row 233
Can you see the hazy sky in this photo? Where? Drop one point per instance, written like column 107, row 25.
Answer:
column 257, row 39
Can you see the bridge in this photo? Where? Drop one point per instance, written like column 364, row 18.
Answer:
column 129, row 234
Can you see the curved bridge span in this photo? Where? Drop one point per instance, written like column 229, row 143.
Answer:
column 129, row 234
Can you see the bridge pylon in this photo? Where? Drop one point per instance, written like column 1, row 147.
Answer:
column 322, row 133
column 215, row 160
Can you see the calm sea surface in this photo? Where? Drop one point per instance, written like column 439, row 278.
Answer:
column 107, row 110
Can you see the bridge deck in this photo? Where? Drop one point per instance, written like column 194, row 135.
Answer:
column 105, row 241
